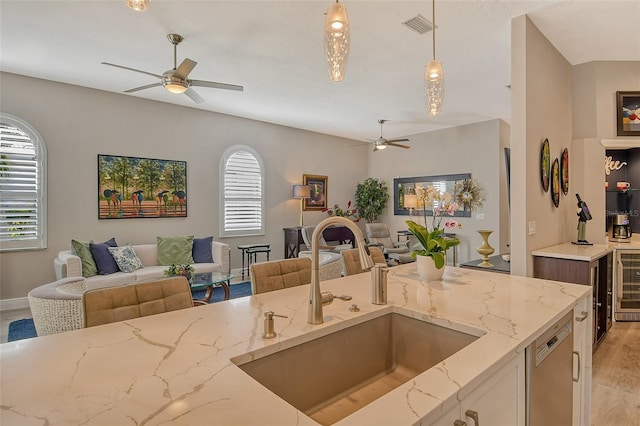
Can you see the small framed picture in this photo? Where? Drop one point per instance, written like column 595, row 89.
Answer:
column 318, row 198
column 628, row 113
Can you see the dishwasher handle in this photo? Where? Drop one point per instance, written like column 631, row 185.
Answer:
column 577, row 379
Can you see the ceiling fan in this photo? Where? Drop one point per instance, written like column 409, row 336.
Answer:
column 382, row 143
column 176, row 80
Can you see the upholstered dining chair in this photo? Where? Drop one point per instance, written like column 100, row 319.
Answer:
column 280, row 274
column 121, row 303
column 351, row 260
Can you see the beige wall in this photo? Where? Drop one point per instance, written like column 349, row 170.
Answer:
column 474, row 148
column 79, row 123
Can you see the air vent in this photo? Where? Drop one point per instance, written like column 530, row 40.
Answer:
column 419, row 24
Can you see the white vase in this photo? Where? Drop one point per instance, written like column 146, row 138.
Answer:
column 427, row 269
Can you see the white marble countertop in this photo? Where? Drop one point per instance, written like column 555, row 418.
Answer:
column 574, row 251
column 175, row 368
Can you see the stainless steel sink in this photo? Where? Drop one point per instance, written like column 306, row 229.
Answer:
column 335, row 375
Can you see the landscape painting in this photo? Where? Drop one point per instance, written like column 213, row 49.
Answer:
column 134, row 188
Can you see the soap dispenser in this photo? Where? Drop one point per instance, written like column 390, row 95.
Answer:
column 379, row 284
column 269, row 329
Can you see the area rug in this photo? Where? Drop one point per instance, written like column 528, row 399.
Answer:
column 25, row 329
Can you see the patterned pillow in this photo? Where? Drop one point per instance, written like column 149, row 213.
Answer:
column 126, row 258
column 81, row 249
column 175, row 250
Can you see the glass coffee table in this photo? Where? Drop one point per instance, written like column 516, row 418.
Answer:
column 207, row 280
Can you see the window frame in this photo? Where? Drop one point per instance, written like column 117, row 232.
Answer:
column 222, row 175
column 40, row 242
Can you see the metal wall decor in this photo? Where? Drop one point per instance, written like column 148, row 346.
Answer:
column 545, row 165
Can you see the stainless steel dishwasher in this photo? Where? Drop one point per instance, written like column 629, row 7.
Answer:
column 549, row 376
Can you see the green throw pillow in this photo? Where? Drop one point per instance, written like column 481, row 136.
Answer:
column 175, row 250
column 89, row 268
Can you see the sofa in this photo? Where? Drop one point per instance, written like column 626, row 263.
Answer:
column 68, row 264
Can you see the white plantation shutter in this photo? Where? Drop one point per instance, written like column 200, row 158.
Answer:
column 243, row 196
column 22, row 186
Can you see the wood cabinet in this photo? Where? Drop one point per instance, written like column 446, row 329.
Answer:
column 596, row 272
column 582, row 318
column 498, row 401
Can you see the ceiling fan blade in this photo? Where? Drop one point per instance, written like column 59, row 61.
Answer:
column 195, row 97
column 131, row 69
column 215, row 85
column 184, row 68
column 398, row 140
column 148, row 86
column 397, row 145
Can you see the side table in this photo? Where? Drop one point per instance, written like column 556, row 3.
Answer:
column 250, row 251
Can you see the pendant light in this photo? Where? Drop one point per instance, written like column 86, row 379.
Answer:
column 138, row 5
column 336, row 40
column 434, row 76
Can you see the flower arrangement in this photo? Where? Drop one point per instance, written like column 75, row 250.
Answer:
column 442, row 202
column 349, row 212
column 432, row 244
column 185, row 270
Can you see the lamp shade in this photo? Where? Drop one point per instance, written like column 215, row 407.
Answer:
column 410, row 201
column 138, row 5
column 301, row 191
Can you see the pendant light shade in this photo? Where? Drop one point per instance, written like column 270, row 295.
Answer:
column 434, row 77
column 336, row 40
column 138, row 5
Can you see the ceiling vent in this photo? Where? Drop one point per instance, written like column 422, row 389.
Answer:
column 420, row 24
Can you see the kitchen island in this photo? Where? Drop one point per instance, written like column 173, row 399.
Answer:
column 176, row 368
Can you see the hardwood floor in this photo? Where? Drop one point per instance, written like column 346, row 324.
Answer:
column 616, row 372
column 615, row 388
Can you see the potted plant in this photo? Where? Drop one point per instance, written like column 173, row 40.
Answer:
column 185, row 270
column 371, row 198
column 433, row 246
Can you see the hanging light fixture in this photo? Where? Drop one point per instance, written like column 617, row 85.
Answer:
column 434, row 76
column 138, row 5
column 336, row 40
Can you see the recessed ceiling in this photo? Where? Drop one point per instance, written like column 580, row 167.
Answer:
column 274, row 49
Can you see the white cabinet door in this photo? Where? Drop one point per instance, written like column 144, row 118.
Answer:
column 582, row 320
column 497, row 402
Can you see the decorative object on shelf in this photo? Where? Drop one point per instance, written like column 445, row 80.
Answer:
column 349, row 212
column 318, row 192
column 545, row 165
column 555, row 183
column 434, row 249
column 434, row 76
column 583, row 216
column 628, row 113
column 371, row 198
column 564, row 171
column 138, row 5
column 184, row 270
column 468, row 194
column 485, row 249
column 302, row 192
column 336, row 40
column 442, row 203
column 134, row 187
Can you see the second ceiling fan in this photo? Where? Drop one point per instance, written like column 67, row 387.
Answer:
column 382, row 143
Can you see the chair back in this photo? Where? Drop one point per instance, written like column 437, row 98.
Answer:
column 378, row 233
column 113, row 304
column 351, row 260
column 280, row 274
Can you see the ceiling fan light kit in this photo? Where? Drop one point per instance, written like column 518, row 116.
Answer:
column 434, row 76
column 382, row 143
column 336, row 40
column 138, row 5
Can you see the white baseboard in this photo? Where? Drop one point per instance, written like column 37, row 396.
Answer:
column 12, row 304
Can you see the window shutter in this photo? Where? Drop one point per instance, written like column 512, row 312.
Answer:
column 20, row 190
column 243, row 203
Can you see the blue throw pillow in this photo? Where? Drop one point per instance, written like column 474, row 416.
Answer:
column 105, row 263
column 201, row 251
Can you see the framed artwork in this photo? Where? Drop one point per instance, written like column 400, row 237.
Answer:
column 318, row 198
column 628, row 113
column 134, row 187
column 545, row 165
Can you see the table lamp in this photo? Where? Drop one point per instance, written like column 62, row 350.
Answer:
column 410, row 201
column 301, row 192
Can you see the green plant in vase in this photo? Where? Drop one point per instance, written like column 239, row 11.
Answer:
column 432, row 244
column 184, row 270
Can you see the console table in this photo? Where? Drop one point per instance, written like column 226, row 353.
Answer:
column 293, row 238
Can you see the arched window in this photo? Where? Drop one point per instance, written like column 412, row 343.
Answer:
column 23, row 173
column 242, row 195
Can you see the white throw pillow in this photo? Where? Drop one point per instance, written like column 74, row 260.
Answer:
column 126, row 258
